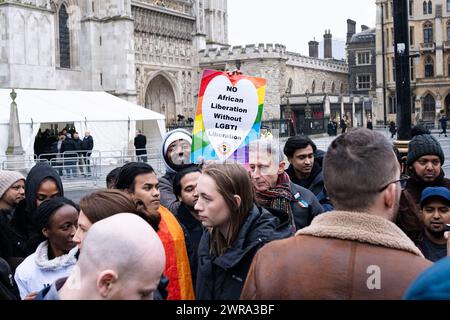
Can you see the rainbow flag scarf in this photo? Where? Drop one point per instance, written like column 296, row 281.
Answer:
column 177, row 263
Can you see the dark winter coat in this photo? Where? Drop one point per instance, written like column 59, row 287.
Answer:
column 69, row 145
column 304, row 215
column 8, row 288
column 443, row 122
column 314, row 184
column 140, row 142
column 78, row 144
column 222, row 277
column 408, row 218
column 193, row 229
column 15, row 230
column 87, row 143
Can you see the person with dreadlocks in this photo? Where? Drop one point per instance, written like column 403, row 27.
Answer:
column 274, row 189
column 54, row 258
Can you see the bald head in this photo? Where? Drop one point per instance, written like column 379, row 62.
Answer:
column 122, row 258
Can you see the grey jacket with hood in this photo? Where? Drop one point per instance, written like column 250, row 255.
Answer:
column 168, row 198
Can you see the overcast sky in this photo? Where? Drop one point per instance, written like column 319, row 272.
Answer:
column 295, row 22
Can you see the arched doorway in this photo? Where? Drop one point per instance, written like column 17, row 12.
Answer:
column 429, row 108
column 447, row 105
column 160, row 98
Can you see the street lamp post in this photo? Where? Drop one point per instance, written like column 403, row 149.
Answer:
column 402, row 71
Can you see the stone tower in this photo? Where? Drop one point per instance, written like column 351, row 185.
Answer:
column 200, row 27
column 327, row 45
column 313, row 49
column 351, row 29
column 107, row 47
column 216, row 22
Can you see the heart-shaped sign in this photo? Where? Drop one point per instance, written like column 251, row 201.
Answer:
column 229, row 113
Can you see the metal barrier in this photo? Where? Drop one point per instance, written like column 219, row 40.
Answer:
column 92, row 169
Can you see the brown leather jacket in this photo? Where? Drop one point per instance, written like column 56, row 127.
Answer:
column 340, row 256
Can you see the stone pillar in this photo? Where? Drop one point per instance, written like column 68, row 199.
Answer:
column 439, row 38
column 342, row 108
column 438, row 110
column 355, row 122
column 363, row 111
column 15, row 152
column 326, row 107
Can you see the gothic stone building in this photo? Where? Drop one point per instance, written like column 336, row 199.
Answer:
column 152, row 52
column 429, row 40
column 143, row 51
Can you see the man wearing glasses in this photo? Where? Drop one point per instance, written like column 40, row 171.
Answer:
column 354, row 251
column 424, row 166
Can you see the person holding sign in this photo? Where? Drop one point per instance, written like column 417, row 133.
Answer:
column 229, row 113
column 237, row 229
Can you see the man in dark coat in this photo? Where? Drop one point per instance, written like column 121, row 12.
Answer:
column 184, row 187
column 304, row 169
column 70, row 156
column 87, row 145
column 79, row 146
column 343, row 125
column 443, row 121
column 424, row 167
column 275, row 191
column 12, row 193
column 354, row 252
column 140, row 143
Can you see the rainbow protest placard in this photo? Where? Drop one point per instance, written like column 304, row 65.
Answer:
column 229, row 112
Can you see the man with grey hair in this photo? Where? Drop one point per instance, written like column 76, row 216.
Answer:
column 274, row 190
column 353, row 252
column 116, row 263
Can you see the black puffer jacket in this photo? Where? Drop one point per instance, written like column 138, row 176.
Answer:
column 222, row 278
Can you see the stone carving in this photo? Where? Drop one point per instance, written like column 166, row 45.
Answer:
column 182, row 6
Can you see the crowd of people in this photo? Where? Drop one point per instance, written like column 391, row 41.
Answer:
column 297, row 223
column 66, row 151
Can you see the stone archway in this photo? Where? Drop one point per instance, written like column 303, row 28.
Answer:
column 429, row 108
column 160, row 98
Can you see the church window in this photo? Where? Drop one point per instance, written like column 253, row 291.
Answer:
column 64, row 38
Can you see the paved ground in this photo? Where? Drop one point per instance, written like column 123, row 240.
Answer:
column 77, row 188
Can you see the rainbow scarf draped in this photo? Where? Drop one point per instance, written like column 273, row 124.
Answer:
column 177, row 263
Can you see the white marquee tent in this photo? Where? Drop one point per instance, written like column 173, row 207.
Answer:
column 112, row 121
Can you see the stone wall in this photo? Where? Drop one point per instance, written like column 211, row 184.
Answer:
column 277, row 65
column 27, row 46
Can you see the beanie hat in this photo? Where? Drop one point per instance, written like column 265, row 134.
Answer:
column 423, row 145
column 175, row 136
column 7, row 179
